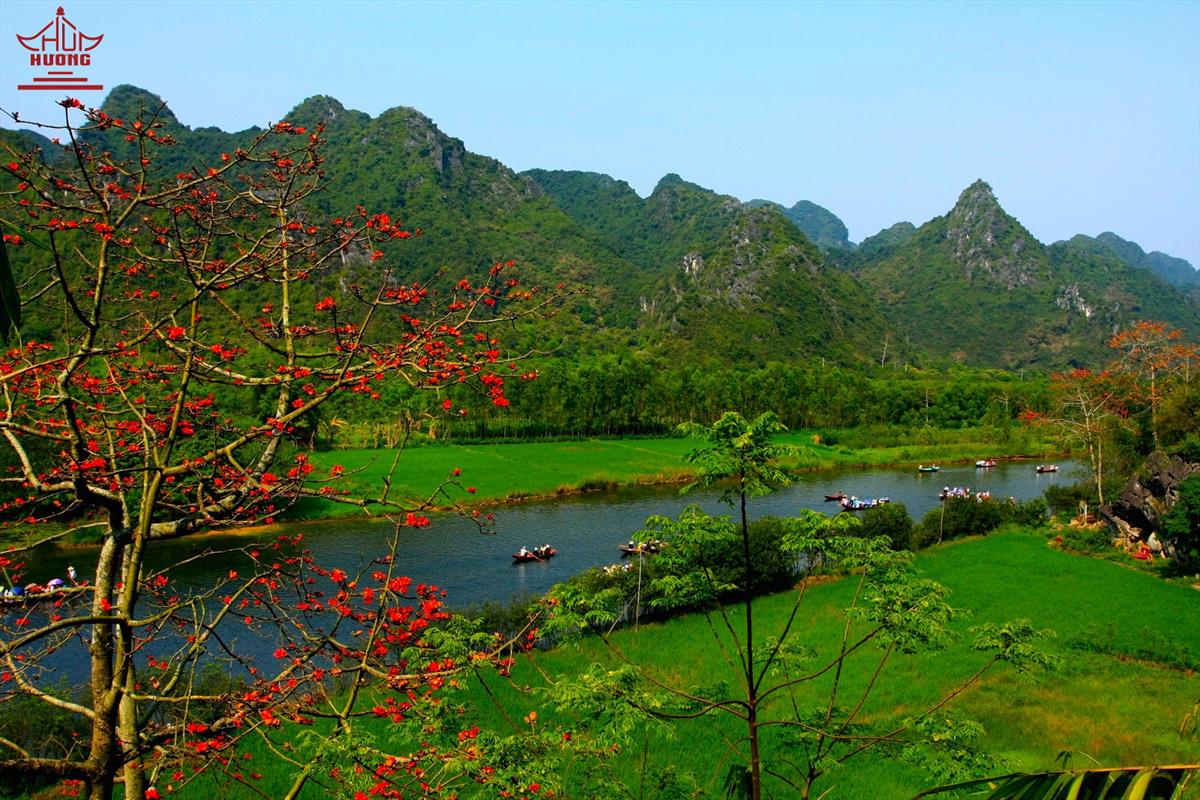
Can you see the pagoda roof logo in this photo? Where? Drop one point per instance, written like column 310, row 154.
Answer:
column 60, row 43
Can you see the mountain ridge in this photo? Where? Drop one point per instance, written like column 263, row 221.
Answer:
column 689, row 270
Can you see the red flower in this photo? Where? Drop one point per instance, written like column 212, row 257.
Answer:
column 326, row 304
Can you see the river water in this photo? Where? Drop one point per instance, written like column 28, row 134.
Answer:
column 585, row 529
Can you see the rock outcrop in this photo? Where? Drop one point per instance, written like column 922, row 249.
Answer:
column 1149, row 495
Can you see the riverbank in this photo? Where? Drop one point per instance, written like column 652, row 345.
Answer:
column 497, row 474
column 505, row 473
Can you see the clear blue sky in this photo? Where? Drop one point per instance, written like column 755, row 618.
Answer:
column 1083, row 116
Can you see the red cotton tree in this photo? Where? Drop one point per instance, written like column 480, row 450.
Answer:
column 1085, row 408
column 190, row 337
column 1154, row 353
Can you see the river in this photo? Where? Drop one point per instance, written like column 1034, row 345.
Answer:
column 585, row 529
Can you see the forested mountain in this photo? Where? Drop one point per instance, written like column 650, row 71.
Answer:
column 690, row 274
column 723, row 276
column 1176, row 271
column 976, row 285
column 819, row 224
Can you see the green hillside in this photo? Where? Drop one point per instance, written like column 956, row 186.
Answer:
column 976, row 287
column 699, row 277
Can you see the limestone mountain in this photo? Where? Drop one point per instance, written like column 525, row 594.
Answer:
column 703, row 275
column 977, row 286
column 1176, row 271
column 473, row 211
column 873, row 248
column 820, row 225
column 724, row 276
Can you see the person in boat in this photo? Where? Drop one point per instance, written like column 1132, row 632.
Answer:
column 522, row 551
column 72, row 575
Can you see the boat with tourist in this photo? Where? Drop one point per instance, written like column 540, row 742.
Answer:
column 986, row 463
column 632, row 547
column 534, row 554
column 22, row 596
column 930, row 468
column 1047, row 468
column 854, row 504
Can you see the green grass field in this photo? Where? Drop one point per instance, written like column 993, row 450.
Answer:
column 501, row 472
column 1111, row 709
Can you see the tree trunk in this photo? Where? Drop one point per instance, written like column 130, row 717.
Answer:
column 751, row 687
column 104, row 754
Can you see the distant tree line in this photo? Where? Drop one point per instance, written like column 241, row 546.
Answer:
column 627, row 395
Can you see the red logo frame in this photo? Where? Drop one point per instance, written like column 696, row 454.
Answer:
column 58, row 44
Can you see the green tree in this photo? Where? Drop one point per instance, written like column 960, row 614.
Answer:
column 742, row 452
column 892, row 522
column 1181, row 526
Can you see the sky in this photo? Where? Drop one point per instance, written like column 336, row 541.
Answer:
column 1083, row 116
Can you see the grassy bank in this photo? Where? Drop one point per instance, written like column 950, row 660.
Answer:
column 1118, row 707
column 500, row 472
column 507, row 472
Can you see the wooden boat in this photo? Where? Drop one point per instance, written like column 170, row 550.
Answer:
column 930, row 468
column 536, row 554
column 835, row 496
column 33, row 598
column 640, row 548
column 854, row 504
column 1047, row 468
column 986, row 463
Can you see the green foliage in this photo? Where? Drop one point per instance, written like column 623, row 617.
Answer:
column 1128, row 783
column 1065, row 498
column 10, row 300
column 962, row 516
column 44, row 731
column 947, row 749
column 1088, row 541
column 1181, row 526
column 741, row 451
column 892, row 522
column 1016, row 644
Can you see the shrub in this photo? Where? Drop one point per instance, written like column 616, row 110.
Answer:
column 1031, row 513
column 1181, row 525
column 1066, row 498
column 892, row 521
column 963, row 516
column 1084, row 540
column 508, row 619
column 774, row 568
